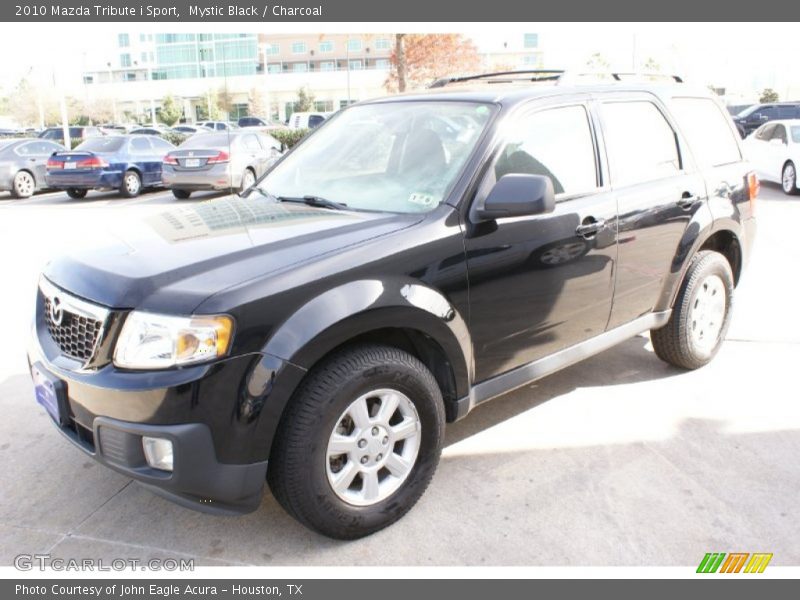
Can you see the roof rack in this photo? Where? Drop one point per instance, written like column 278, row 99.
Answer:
column 542, row 75
column 531, row 75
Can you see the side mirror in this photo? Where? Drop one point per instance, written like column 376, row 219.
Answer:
column 519, row 195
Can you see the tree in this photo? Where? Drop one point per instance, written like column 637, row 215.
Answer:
column 170, row 112
column 23, row 104
column 258, row 104
column 305, row 100
column 769, row 95
column 597, row 62
column 420, row 59
column 651, row 66
column 224, row 100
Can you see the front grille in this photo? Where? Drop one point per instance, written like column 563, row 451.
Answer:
column 76, row 336
column 75, row 326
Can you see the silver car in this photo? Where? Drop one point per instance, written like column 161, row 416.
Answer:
column 23, row 163
column 219, row 161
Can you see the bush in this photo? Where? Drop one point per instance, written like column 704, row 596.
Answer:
column 174, row 137
column 289, row 136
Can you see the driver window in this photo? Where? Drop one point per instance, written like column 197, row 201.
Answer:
column 556, row 143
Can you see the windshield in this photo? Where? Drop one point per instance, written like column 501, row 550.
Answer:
column 102, row 144
column 795, row 129
column 393, row 156
column 743, row 113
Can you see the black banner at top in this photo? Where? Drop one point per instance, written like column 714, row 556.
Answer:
column 452, row 11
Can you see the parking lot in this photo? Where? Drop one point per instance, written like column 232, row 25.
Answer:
column 620, row 460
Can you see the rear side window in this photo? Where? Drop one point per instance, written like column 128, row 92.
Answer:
column 557, row 143
column 765, row 132
column 706, row 129
column 251, row 143
column 140, row 145
column 641, row 144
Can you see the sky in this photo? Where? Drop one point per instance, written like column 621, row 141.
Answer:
column 752, row 56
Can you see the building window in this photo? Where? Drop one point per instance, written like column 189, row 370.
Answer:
column 144, row 57
column 124, row 40
column 383, row 63
column 131, row 76
column 142, row 37
column 327, row 65
column 354, row 45
column 298, row 47
column 326, row 47
column 273, row 49
column 356, row 65
column 382, row 44
column 273, row 68
column 206, row 54
column 323, row 106
column 300, row 67
column 345, row 103
column 531, row 40
column 88, row 79
column 125, row 60
column 530, row 60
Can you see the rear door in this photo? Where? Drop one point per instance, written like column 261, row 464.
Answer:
column 539, row 284
column 658, row 192
column 144, row 156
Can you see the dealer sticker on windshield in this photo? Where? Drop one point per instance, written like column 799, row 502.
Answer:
column 423, row 199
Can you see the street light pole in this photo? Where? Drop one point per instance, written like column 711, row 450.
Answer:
column 266, row 82
column 111, row 88
column 152, row 100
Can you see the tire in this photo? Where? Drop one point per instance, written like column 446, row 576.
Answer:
column 23, row 185
column 181, row 194
column 76, row 193
column 700, row 317
column 131, row 184
column 303, row 464
column 789, row 179
column 248, row 179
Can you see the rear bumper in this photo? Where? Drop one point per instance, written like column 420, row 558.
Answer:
column 217, row 177
column 95, row 180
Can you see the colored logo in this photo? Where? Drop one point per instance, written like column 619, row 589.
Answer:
column 735, row 562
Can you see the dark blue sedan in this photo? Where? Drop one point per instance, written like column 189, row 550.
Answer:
column 128, row 163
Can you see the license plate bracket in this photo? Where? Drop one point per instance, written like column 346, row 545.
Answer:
column 51, row 393
column 192, row 163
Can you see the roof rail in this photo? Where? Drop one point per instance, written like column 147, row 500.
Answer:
column 554, row 75
column 531, row 75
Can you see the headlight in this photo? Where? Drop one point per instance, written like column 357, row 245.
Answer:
column 151, row 341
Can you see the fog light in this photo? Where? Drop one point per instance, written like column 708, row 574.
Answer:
column 158, row 452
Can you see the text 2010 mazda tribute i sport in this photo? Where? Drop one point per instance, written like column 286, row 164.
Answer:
column 412, row 258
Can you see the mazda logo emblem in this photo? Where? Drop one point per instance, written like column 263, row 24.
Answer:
column 56, row 311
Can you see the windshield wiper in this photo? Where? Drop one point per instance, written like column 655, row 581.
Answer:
column 314, row 201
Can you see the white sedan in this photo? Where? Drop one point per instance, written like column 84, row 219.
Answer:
column 774, row 151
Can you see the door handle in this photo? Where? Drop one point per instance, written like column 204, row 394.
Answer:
column 590, row 227
column 688, row 200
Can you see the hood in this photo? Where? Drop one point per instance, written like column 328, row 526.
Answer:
column 173, row 260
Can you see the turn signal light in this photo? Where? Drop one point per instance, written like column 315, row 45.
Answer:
column 753, row 188
column 170, row 160
column 54, row 165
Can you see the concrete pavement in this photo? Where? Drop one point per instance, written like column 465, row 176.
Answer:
column 619, row 460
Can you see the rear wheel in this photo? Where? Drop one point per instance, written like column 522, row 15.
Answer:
column 789, row 178
column 359, row 442
column 131, row 184
column 248, row 179
column 701, row 315
column 24, row 185
column 76, row 193
column 181, row 194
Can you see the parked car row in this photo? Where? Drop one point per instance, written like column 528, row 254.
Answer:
column 774, row 151
column 130, row 163
column 753, row 117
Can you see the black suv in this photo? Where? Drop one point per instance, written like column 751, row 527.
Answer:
column 753, row 117
column 414, row 257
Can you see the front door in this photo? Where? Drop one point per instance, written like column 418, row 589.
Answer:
column 542, row 283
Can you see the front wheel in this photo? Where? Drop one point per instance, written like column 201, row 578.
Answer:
column 131, row 184
column 789, row 179
column 359, row 442
column 248, row 179
column 701, row 315
column 76, row 193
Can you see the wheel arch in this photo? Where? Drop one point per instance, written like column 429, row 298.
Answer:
column 402, row 314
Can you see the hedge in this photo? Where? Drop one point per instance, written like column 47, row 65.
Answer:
column 289, row 136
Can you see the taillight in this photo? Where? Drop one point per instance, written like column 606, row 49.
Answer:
column 95, row 162
column 221, row 157
column 54, row 165
column 170, row 160
column 753, row 188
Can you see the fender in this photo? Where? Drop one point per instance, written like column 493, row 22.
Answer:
column 696, row 235
column 335, row 317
